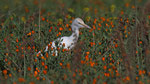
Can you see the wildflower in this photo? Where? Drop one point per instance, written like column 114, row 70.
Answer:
column 103, row 58
column 5, row 40
column 116, row 45
column 23, row 19
column 52, row 82
column 29, row 34
column 43, row 63
column 88, row 18
column 140, row 42
column 60, row 28
column 5, row 72
column 31, row 83
column 149, row 17
column 43, row 19
column 133, row 7
column 65, row 76
column 68, row 65
column 86, row 9
column 122, row 13
column 60, row 64
column 67, row 25
column 49, row 30
column 33, row 32
column 26, row 9
column 94, row 81
column 86, row 57
column 10, row 75
column 29, row 68
column 112, row 8
column 35, row 73
column 127, row 4
column 21, row 79
column 104, row 67
column 17, row 40
column 71, row 10
column 87, row 53
column 44, row 72
column 45, row 67
column 127, row 78
column 17, row 50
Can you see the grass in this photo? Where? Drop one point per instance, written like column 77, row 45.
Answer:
column 115, row 50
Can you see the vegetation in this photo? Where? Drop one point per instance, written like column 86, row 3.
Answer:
column 115, row 51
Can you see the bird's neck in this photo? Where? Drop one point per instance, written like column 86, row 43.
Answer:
column 75, row 35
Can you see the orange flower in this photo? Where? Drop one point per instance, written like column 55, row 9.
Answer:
column 31, row 83
column 60, row 64
column 5, row 72
column 133, row 7
column 43, row 19
column 45, row 72
column 67, row 25
column 69, row 29
column 149, row 17
column 46, row 54
column 136, row 52
column 12, row 35
column 50, row 30
column 92, row 64
column 103, row 58
column 73, row 81
column 60, row 28
column 33, row 32
column 46, row 67
column 86, row 57
column 140, row 72
column 35, row 73
column 29, row 34
column 127, row 4
column 59, row 33
column 116, row 45
column 65, row 76
column 17, row 40
column 107, row 74
column 38, row 78
column 140, row 42
column 94, row 81
column 82, row 62
column 105, row 67
column 26, row 9
column 35, row 60
column 52, row 82
column 87, row 53
column 68, row 65
column 29, row 68
column 10, row 75
column 74, row 74
column 17, row 50
column 122, row 13
column 43, row 63
column 127, row 78
column 21, row 79
column 99, row 43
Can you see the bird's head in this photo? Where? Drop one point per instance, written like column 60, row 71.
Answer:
column 79, row 23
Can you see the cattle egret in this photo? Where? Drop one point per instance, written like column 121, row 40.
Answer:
column 69, row 41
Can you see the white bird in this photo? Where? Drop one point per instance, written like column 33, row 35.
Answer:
column 69, row 41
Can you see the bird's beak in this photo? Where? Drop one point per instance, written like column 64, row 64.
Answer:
column 86, row 26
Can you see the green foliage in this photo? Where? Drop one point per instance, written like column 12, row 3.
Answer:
column 115, row 50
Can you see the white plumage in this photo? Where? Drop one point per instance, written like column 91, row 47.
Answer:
column 68, row 41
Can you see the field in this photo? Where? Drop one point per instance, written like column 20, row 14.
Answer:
column 116, row 50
